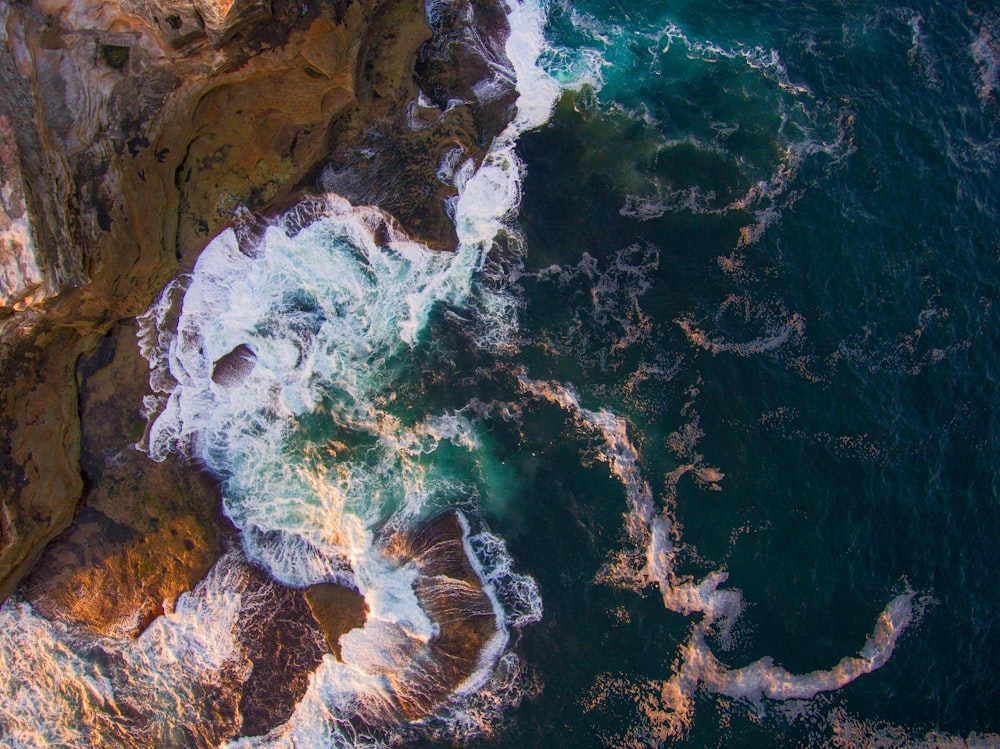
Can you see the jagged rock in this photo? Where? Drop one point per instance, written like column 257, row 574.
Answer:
column 224, row 18
column 465, row 65
column 137, row 141
column 148, row 531
column 106, row 152
column 53, row 252
column 252, row 137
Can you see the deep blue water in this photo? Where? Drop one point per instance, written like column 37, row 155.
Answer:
column 860, row 452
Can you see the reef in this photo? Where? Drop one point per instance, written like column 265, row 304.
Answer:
column 131, row 133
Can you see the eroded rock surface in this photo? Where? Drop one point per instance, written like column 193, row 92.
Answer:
column 147, row 531
column 20, row 275
column 450, row 591
column 133, row 131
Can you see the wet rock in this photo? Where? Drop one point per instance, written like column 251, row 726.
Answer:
column 460, row 97
column 147, row 531
column 140, row 141
column 285, row 645
column 338, row 610
column 451, row 593
column 465, row 65
column 233, row 368
column 247, row 680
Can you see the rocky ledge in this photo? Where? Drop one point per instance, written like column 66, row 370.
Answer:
column 131, row 132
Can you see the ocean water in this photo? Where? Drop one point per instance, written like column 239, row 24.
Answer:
column 712, row 379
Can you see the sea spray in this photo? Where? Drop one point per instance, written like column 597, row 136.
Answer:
column 70, row 688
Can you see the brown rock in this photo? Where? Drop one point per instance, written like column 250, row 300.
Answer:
column 338, row 610
column 254, row 136
column 451, row 593
column 148, row 531
column 40, row 481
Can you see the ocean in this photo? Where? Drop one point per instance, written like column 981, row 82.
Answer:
column 712, row 382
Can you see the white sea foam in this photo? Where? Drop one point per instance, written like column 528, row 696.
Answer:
column 763, row 678
column 850, row 732
column 63, row 687
column 652, row 561
column 516, row 598
column 985, row 52
column 602, row 59
column 794, row 327
column 327, row 316
column 493, row 192
column 323, row 309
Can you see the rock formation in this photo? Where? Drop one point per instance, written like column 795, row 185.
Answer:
column 131, row 132
column 450, row 591
column 147, row 531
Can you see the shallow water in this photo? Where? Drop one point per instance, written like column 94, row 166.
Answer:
column 712, row 379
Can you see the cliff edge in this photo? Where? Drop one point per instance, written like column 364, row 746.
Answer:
column 132, row 132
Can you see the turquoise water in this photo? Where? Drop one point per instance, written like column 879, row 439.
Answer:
column 712, row 379
column 769, row 241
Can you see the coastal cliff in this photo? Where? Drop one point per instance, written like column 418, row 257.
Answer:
column 131, row 133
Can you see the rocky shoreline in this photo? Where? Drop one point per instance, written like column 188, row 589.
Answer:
column 131, row 133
